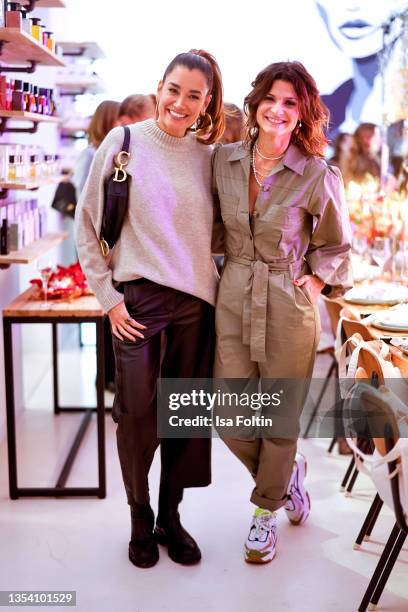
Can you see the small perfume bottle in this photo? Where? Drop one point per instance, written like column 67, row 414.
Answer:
column 36, row 31
column 12, row 168
column 34, row 167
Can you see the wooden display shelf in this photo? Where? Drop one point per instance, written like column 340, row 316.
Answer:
column 48, row 4
column 30, row 185
column 79, row 87
column 84, row 50
column 34, row 250
column 24, row 116
column 19, row 47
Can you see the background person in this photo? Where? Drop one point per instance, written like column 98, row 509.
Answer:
column 344, row 146
column 364, row 160
column 136, row 107
column 234, row 124
column 103, row 120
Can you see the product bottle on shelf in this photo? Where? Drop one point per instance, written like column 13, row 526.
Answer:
column 13, row 15
column 26, row 96
column 36, row 31
column 42, row 101
column 17, row 99
column 20, row 168
column 9, row 93
column 3, row 92
column 12, row 168
column 34, row 167
column 50, row 41
column 4, row 237
column 36, row 101
column 33, row 103
column 25, row 23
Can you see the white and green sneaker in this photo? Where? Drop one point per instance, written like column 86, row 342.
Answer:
column 260, row 546
column 297, row 506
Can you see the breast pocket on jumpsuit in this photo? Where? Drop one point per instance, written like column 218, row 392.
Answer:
column 278, row 227
column 229, row 212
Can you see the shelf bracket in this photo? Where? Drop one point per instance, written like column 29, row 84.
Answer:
column 72, row 94
column 15, row 130
column 79, row 53
column 4, row 266
column 30, row 6
column 27, row 69
column 3, row 194
column 73, row 136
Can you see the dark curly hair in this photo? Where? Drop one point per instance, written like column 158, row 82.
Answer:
column 314, row 115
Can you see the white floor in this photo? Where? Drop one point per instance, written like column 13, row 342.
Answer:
column 81, row 544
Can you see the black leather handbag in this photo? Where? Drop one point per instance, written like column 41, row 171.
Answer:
column 65, row 199
column 116, row 198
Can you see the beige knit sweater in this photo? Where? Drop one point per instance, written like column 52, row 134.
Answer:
column 166, row 236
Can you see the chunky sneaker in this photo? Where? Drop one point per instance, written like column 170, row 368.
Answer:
column 297, row 506
column 260, row 546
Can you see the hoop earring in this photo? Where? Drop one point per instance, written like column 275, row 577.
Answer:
column 253, row 132
column 204, row 125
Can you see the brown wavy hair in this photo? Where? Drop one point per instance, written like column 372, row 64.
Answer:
column 310, row 137
column 207, row 131
column 103, row 120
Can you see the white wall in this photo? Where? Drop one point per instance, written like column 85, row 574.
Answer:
column 140, row 39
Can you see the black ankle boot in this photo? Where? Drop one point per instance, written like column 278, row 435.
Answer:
column 143, row 549
column 182, row 548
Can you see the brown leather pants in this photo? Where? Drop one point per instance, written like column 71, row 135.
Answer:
column 188, row 352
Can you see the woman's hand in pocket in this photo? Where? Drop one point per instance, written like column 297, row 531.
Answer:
column 313, row 285
column 123, row 326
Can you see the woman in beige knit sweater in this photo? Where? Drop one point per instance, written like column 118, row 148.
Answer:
column 159, row 279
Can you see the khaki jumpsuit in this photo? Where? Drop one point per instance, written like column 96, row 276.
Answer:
column 266, row 326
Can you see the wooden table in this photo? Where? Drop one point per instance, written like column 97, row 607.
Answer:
column 25, row 309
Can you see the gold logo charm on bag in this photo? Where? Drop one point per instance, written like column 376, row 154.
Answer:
column 122, row 163
column 104, row 247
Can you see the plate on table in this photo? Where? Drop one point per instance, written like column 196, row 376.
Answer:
column 383, row 294
column 364, row 271
column 392, row 320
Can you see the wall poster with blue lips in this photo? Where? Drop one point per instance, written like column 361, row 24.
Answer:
column 356, row 29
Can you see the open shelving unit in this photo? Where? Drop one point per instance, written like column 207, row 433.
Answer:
column 46, row 3
column 6, row 186
column 33, row 251
column 80, row 87
column 22, row 116
column 85, row 50
column 17, row 47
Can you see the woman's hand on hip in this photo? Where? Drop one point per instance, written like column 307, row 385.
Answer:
column 123, row 326
column 312, row 283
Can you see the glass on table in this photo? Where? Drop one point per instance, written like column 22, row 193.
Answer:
column 45, row 270
column 380, row 251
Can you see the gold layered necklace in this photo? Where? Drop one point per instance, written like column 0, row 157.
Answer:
column 259, row 177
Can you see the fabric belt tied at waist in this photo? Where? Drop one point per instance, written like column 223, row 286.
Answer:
column 256, row 300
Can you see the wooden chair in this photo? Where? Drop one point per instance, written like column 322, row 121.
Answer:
column 384, row 431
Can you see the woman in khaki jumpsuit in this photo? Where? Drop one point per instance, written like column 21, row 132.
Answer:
column 287, row 238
